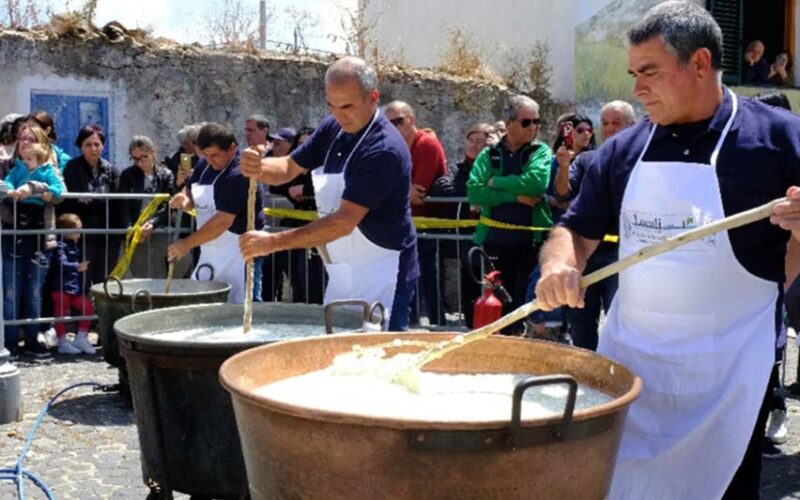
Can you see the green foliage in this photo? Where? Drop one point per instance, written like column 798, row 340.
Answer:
column 601, row 71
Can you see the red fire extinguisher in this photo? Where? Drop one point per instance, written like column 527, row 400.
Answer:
column 488, row 307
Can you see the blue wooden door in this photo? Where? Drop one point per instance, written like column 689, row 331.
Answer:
column 70, row 113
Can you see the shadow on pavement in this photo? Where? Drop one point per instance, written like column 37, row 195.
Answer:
column 98, row 409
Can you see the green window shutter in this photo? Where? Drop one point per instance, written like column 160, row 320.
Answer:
column 728, row 14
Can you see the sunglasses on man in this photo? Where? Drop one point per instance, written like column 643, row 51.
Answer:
column 398, row 121
column 527, row 122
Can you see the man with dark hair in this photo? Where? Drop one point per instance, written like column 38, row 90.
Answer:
column 361, row 170
column 690, row 322
column 256, row 133
column 218, row 192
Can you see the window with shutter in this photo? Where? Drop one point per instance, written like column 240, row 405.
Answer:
column 728, row 14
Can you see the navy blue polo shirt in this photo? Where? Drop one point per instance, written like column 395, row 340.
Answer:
column 230, row 192
column 378, row 177
column 758, row 162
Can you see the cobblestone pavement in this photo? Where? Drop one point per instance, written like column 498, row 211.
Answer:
column 87, row 447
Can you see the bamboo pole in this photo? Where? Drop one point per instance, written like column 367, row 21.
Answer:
column 171, row 265
column 248, row 285
column 734, row 221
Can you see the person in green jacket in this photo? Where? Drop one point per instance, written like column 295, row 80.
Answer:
column 508, row 181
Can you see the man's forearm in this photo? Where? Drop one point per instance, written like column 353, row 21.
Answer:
column 319, row 232
column 210, row 231
column 565, row 248
column 561, row 184
column 792, row 261
column 277, row 171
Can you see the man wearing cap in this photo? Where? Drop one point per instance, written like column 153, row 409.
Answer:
column 698, row 324
column 361, row 170
column 281, row 142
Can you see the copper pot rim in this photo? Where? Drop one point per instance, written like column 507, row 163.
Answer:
column 250, row 397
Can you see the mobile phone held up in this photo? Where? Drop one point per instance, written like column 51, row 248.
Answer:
column 565, row 131
column 186, row 162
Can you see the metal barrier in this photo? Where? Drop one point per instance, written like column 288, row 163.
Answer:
column 280, row 269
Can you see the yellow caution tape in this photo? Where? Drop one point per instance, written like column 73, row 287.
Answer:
column 134, row 235
column 505, row 225
column 419, row 222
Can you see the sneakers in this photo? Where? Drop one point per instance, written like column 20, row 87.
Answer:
column 66, row 347
column 776, row 428
column 36, row 350
column 48, row 338
column 770, row 450
column 82, row 342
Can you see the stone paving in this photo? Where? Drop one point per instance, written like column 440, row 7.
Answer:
column 87, row 447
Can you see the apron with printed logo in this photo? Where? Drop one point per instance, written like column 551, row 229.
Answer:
column 359, row 269
column 697, row 327
column 222, row 253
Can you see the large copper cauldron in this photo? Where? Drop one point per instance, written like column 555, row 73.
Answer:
column 294, row 452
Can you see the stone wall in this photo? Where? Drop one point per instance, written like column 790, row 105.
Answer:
column 155, row 88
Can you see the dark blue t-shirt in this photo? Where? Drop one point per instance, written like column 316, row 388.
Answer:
column 758, row 162
column 230, row 192
column 378, row 177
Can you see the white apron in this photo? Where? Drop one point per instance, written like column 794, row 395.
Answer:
column 359, row 269
column 222, row 253
column 697, row 327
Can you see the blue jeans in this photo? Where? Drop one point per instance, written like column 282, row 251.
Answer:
column 583, row 323
column 401, row 308
column 23, row 278
column 258, row 273
column 429, row 283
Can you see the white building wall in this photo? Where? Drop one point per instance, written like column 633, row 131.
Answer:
column 418, row 31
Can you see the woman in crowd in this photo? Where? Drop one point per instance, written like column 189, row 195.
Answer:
column 575, row 135
column 779, row 72
column 146, row 175
column 59, row 157
column 454, row 184
column 90, row 173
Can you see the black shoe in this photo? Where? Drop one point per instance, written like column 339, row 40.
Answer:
column 13, row 354
column 36, row 350
column 770, row 450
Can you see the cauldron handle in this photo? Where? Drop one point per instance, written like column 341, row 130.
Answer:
column 119, row 284
column 146, row 294
column 371, row 313
column 328, row 308
column 210, row 270
column 516, row 405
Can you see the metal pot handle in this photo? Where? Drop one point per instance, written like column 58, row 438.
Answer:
column 330, row 306
column 116, row 280
column 560, row 432
column 210, row 270
column 368, row 321
column 147, row 296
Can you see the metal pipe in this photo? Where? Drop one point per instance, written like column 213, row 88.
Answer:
column 262, row 26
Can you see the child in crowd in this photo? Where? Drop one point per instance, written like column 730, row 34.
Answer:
column 24, row 264
column 67, row 288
